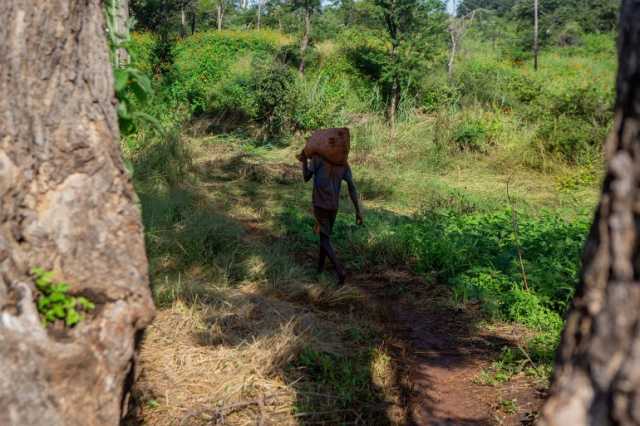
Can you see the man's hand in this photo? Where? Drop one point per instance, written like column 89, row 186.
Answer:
column 302, row 156
column 359, row 220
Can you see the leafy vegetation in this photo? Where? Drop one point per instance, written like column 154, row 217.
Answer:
column 483, row 181
column 55, row 303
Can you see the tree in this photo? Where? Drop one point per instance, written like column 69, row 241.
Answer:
column 457, row 29
column 597, row 376
column 308, row 7
column 412, row 28
column 156, row 15
column 220, row 9
column 68, row 206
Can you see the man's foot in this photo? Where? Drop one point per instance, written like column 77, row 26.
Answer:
column 342, row 276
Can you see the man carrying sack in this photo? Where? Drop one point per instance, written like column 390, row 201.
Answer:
column 328, row 150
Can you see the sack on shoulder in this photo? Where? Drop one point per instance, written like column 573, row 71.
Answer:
column 331, row 144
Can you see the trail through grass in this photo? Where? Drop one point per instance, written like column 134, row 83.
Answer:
column 244, row 318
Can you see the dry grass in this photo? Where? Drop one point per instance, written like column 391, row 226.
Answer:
column 228, row 340
column 198, row 358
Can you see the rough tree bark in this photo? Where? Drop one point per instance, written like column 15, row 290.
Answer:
column 597, row 377
column 67, row 205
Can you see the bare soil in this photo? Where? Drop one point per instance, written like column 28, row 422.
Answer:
column 441, row 350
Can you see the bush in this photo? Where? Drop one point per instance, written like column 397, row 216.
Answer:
column 574, row 140
column 204, row 59
column 477, row 254
column 436, row 93
column 142, row 50
column 471, row 135
column 276, row 98
column 570, row 35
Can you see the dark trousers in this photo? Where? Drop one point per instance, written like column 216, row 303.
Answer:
column 324, row 225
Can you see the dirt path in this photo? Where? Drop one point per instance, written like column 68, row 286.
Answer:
column 247, row 332
column 441, row 352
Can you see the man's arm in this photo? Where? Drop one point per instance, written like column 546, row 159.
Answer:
column 353, row 194
column 307, row 173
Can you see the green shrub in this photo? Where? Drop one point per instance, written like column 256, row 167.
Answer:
column 477, row 254
column 142, row 50
column 206, row 58
column 471, row 135
column 573, row 139
column 276, row 98
column 436, row 93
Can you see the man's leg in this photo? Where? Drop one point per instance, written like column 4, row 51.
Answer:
column 325, row 244
column 321, row 259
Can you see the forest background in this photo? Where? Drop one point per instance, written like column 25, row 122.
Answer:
column 477, row 172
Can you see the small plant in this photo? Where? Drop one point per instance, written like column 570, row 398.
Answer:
column 509, row 406
column 54, row 301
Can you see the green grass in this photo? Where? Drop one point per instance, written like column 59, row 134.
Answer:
column 440, row 188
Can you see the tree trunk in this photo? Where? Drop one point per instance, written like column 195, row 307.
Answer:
column 193, row 21
column 259, row 15
column 183, row 22
column 597, row 377
column 122, row 27
column 305, row 38
column 536, row 46
column 220, row 15
column 66, row 205
column 452, row 52
column 394, row 100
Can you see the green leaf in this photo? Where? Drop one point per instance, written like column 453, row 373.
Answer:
column 43, row 302
column 123, row 111
column 121, row 76
column 85, row 303
column 37, row 271
column 58, row 311
column 57, row 297
column 72, row 318
column 60, row 288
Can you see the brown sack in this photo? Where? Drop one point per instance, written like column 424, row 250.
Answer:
column 331, row 144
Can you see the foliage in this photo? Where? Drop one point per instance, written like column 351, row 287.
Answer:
column 347, row 377
column 567, row 102
column 413, row 39
column 54, row 302
column 485, row 265
column 142, row 48
column 132, row 87
column 204, row 59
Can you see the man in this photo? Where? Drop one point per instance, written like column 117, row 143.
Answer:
column 327, row 179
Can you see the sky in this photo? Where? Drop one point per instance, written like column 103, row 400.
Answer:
column 450, row 6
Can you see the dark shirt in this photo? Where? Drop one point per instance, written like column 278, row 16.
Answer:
column 327, row 179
